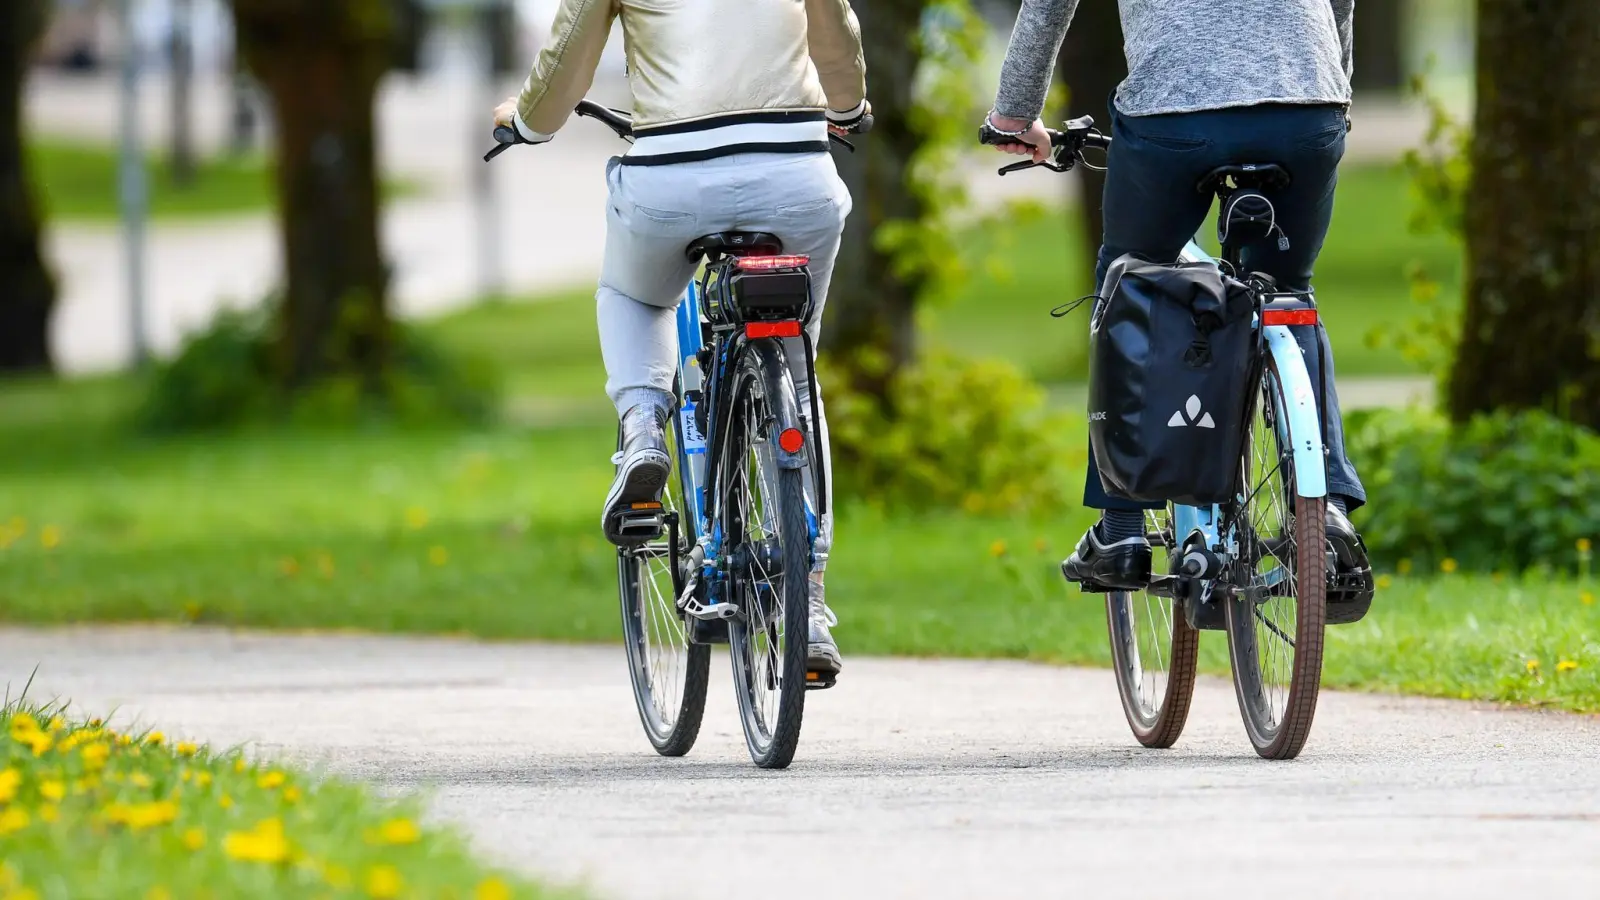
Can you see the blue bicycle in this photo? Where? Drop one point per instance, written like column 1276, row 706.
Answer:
column 1258, row 567
column 725, row 556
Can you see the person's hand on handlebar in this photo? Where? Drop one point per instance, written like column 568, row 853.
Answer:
column 856, row 121
column 1032, row 138
column 505, row 116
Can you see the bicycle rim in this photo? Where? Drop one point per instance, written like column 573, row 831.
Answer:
column 765, row 540
column 669, row 673
column 1275, row 642
column 1153, row 650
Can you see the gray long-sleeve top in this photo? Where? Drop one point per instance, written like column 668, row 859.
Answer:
column 1191, row 55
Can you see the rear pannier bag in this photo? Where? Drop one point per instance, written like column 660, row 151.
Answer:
column 1171, row 364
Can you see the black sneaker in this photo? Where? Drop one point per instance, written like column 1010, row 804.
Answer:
column 633, row 511
column 1097, row 566
column 1352, row 585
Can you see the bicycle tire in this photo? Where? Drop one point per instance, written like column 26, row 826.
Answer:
column 1278, row 730
column 671, row 699
column 768, row 638
column 1154, row 701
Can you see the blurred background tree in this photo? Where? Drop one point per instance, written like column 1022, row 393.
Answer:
column 27, row 290
column 1530, row 335
column 320, row 64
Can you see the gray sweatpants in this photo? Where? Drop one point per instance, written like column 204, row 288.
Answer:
column 655, row 211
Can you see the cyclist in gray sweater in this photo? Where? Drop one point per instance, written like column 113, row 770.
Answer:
column 1210, row 82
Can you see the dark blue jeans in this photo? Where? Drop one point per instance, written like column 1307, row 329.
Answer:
column 1151, row 207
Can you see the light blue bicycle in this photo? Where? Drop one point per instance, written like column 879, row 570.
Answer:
column 1258, row 567
column 724, row 558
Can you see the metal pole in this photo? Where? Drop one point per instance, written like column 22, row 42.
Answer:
column 491, row 275
column 133, row 189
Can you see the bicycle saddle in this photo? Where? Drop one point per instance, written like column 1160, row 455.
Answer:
column 734, row 243
column 1224, row 180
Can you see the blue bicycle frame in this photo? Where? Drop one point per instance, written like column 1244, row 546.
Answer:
column 1300, row 428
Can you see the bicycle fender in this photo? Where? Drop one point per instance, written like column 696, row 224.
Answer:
column 779, row 386
column 1305, row 428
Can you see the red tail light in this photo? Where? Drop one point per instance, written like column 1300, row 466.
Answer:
column 755, row 330
column 791, row 440
column 749, row 263
column 1288, row 317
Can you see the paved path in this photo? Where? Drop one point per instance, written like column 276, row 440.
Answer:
column 550, row 229
column 923, row 780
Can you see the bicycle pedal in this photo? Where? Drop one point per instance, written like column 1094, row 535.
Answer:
column 704, row 632
column 639, row 524
column 821, row 681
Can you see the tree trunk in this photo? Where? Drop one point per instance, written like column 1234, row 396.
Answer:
column 870, row 308
column 1530, row 335
column 27, row 290
column 320, row 63
column 1092, row 65
column 1379, row 51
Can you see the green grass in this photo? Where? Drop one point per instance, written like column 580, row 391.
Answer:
column 78, row 182
column 494, row 533
column 1361, row 283
column 86, row 811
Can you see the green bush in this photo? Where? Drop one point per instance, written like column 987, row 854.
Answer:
column 1505, row 492
column 954, row 433
column 223, row 378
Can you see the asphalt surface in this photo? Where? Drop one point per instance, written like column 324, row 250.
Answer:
column 915, row 779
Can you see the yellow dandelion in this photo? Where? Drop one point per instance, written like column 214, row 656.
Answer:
column 10, row 780
column 1040, row 545
column 155, row 738
column 37, row 741
column 225, row 802
column 140, row 779
column 158, row 893
column 1532, row 666
column 1497, row 577
column 23, row 723
column 94, row 755
column 49, row 812
column 399, row 831
column 438, row 555
column 492, row 889
column 49, row 537
column 186, row 749
column 1584, row 546
column 203, row 779
column 1566, row 665
column 325, row 566
column 57, row 724
column 384, row 882
column 264, row 843
column 97, row 722
column 1384, row 581
column 1403, row 567
column 291, row 794
column 193, row 610
column 239, row 765
column 15, row 818
column 272, row 780
column 289, row 566
column 997, row 549
column 1587, row 597
column 124, row 740
column 416, row 518
column 52, row 790
column 142, row 815
column 1447, row 565
column 194, row 839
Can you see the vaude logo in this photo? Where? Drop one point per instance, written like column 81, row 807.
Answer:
column 1186, row 416
column 1097, row 417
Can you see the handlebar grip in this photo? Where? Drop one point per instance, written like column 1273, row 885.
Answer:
column 865, row 125
column 505, row 134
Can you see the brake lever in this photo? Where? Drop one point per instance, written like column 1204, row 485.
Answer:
column 839, row 140
column 1050, row 164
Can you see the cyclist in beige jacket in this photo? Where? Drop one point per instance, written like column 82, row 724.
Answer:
column 732, row 104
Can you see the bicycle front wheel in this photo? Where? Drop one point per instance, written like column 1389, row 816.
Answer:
column 1275, row 624
column 669, row 673
column 1153, row 650
column 766, row 543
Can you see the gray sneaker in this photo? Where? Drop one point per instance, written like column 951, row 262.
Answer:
column 823, row 653
column 633, row 506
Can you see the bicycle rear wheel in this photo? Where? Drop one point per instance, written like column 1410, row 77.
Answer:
column 1275, row 628
column 1153, row 650
column 669, row 673
column 761, row 508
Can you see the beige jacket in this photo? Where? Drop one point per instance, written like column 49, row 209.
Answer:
column 709, row 77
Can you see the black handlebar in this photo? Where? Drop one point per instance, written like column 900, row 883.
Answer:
column 1066, row 147
column 621, row 122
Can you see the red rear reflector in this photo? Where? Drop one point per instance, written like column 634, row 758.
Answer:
column 754, row 330
column 1288, row 317
column 791, row 440
column 772, row 262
